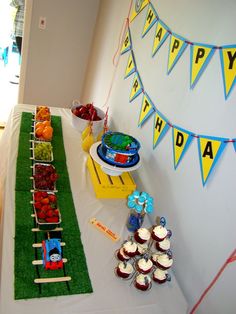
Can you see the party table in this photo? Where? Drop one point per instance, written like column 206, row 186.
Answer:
column 110, row 293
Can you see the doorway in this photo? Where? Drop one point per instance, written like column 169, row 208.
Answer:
column 10, row 62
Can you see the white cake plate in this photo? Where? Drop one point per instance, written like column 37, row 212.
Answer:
column 107, row 168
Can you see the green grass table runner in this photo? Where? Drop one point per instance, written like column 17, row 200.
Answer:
column 76, row 266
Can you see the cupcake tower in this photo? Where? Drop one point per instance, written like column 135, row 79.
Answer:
column 146, row 257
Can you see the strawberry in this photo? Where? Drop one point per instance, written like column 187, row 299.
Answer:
column 56, row 212
column 44, row 194
column 45, row 200
column 37, row 205
column 49, row 213
column 53, row 177
column 85, row 116
column 49, row 207
column 45, row 208
column 41, row 214
column 52, row 198
column 52, row 219
column 74, row 111
column 81, row 110
column 37, row 196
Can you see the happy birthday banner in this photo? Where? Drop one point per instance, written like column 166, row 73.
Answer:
column 210, row 148
column 200, row 54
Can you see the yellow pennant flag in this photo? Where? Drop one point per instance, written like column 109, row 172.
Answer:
column 200, row 57
column 126, row 43
column 137, row 87
column 146, row 110
column 161, row 34
column 210, row 149
column 131, row 67
column 150, row 20
column 137, row 7
column 176, row 48
column 161, row 126
column 181, row 142
column 228, row 66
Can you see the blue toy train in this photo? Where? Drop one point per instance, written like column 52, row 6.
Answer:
column 52, row 254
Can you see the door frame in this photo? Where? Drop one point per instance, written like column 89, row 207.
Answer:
column 25, row 48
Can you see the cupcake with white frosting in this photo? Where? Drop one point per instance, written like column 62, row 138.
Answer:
column 142, row 248
column 130, row 248
column 163, row 246
column 124, row 269
column 121, row 255
column 160, row 275
column 142, row 235
column 154, row 258
column 144, row 265
column 164, row 261
column 142, row 282
column 159, row 233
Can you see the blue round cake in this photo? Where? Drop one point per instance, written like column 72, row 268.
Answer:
column 119, row 149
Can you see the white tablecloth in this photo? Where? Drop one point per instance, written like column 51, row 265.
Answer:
column 111, row 294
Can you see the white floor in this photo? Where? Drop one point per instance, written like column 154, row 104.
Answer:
column 8, row 91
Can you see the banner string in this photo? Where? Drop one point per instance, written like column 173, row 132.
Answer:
column 233, row 140
column 198, row 51
column 232, row 258
column 116, row 57
column 157, row 18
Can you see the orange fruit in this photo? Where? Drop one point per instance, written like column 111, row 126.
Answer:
column 46, row 123
column 49, row 128
column 38, row 124
column 47, row 133
column 39, row 131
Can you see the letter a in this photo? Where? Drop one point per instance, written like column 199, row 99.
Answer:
column 160, row 36
column 210, row 149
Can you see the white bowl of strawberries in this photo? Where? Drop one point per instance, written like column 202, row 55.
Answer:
column 83, row 114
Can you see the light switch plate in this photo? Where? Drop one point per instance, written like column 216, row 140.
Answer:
column 42, row 22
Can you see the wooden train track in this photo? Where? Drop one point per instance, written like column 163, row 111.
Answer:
column 38, row 262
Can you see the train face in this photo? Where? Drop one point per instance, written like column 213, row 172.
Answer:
column 52, row 254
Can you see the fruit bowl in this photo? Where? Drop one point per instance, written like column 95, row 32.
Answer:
column 47, row 213
column 44, row 177
column 80, row 123
column 43, row 131
column 42, row 113
column 42, row 151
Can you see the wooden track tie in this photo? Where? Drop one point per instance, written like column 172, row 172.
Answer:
column 50, row 280
column 40, row 261
column 56, row 229
column 38, row 245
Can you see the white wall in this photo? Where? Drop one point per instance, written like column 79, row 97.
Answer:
column 202, row 218
column 55, row 59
